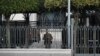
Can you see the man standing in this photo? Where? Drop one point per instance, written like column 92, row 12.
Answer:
column 47, row 40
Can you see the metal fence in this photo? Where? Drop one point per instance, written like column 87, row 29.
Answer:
column 33, row 37
column 87, row 40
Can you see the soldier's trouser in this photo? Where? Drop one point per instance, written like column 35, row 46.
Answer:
column 48, row 46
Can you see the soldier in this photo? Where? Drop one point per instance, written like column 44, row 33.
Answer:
column 47, row 40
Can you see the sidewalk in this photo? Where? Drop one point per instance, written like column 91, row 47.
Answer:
column 35, row 52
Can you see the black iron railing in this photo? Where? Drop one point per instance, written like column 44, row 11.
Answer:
column 32, row 37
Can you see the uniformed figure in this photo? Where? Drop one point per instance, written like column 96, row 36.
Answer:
column 47, row 40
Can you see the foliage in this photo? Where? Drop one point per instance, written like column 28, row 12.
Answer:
column 17, row 6
column 83, row 3
column 55, row 3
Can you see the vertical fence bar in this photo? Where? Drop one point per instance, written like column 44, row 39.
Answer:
column 75, row 36
column 78, row 37
column 14, row 31
column 97, row 33
column 94, row 40
column 88, row 39
column 15, row 36
column 85, row 40
column 72, row 26
column 26, row 38
column 98, row 40
column 0, row 37
column 81, row 46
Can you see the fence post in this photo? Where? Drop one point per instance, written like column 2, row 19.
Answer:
column 85, row 40
column 94, row 40
column 72, row 39
column 26, row 37
column 75, row 27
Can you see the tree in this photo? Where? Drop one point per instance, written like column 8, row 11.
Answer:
column 7, row 7
column 83, row 5
column 49, row 4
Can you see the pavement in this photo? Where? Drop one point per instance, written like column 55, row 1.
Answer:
column 35, row 52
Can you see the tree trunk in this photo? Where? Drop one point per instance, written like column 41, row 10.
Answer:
column 27, row 18
column 27, row 24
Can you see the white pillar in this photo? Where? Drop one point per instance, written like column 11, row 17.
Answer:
column 33, row 19
column 3, row 18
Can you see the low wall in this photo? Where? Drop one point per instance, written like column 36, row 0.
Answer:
column 35, row 52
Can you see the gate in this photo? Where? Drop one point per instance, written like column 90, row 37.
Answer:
column 87, row 41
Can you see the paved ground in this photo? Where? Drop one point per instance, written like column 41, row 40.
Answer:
column 39, row 54
column 35, row 52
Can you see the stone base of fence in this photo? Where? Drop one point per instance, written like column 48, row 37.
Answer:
column 35, row 52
